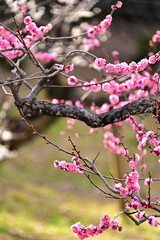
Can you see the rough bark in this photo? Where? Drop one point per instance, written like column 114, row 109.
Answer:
column 35, row 109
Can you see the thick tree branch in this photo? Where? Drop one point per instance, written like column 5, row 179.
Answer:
column 31, row 109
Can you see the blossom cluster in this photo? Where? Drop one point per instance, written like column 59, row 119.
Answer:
column 76, row 166
column 117, row 5
column 135, row 204
column 100, row 28
column 91, row 43
column 151, row 220
column 113, row 143
column 139, row 86
column 104, row 24
column 105, row 223
column 9, row 41
column 46, row 57
column 131, row 182
column 155, row 38
column 13, row 43
column 145, row 137
column 124, row 68
column 34, row 31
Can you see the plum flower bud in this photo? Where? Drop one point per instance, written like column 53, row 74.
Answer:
column 115, row 53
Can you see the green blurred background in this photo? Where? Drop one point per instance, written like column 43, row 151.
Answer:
column 39, row 202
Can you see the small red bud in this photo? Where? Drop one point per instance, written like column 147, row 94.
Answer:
column 23, row 119
column 120, row 229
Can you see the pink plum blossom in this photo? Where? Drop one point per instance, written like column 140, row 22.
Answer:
column 86, row 86
column 95, row 87
column 114, row 99
column 119, row 4
column 140, row 214
column 133, row 164
column 152, row 221
column 124, row 191
column 115, row 54
column 69, row 68
column 72, row 80
column 27, row 20
column 147, row 181
column 118, row 186
column 100, row 62
column 46, row 57
column 24, row 9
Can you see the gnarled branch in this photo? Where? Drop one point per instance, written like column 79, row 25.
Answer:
column 31, row 109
